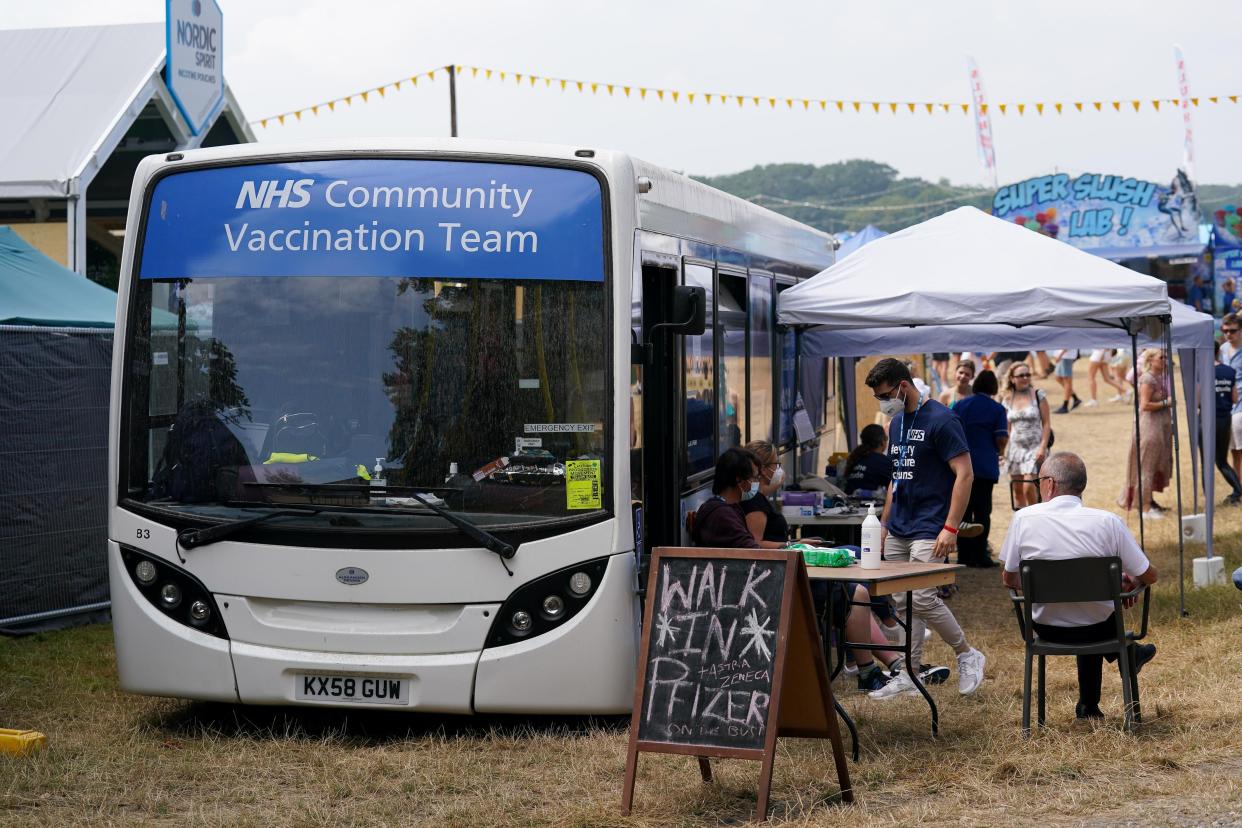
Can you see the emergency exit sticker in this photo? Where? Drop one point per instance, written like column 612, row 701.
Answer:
column 582, row 485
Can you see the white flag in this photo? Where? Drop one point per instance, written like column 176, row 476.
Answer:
column 1183, row 93
column 983, row 122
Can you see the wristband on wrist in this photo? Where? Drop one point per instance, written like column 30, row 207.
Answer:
column 950, row 529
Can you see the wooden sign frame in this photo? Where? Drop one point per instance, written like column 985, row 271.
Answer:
column 801, row 702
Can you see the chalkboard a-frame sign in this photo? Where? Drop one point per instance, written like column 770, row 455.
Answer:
column 730, row 659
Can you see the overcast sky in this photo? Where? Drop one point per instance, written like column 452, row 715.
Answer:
column 285, row 54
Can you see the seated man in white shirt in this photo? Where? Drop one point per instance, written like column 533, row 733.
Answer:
column 1061, row 527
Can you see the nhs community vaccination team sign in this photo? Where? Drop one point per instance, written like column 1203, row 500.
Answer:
column 194, row 64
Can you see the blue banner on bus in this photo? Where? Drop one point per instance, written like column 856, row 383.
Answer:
column 377, row 217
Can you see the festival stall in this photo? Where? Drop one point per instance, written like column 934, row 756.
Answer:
column 966, row 280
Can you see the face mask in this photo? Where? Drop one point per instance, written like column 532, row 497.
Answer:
column 778, row 476
column 892, row 406
column 752, row 491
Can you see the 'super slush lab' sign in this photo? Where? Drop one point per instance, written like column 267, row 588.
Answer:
column 376, row 217
column 194, row 66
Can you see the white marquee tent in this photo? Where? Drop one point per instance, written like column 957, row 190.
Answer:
column 968, row 281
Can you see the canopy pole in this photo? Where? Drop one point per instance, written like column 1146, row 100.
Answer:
column 1138, row 450
column 1177, row 470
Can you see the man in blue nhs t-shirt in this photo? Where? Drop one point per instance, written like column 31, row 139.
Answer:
column 932, row 477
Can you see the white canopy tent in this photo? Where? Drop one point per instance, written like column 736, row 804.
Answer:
column 967, row 281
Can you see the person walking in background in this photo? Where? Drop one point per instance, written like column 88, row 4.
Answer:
column 1119, row 367
column 1231, row 355
column 940, row 369
column 1155, row 431
column 1194, row 296
column 1226, row 399
column 964, row 375
column 931, row 486
column 1228, row 293
column 1097, row 365
column 1030, row 432
column 987, row 433
column 1065, row 378
column 868, row 468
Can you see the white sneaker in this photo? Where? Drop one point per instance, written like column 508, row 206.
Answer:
column 970, row 671
column 901, row 685
column 1153, row 514
column 1116, row 398
column 1091, row 403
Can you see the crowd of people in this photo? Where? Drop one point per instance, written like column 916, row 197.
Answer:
column 935, row 464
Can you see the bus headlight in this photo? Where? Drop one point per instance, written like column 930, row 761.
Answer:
column 580, row 583
column 199, row 612
column 553, row 607
column 174, row 592
column 170, row 596
column 521, row 621
column 146, row 573
column 545, row 603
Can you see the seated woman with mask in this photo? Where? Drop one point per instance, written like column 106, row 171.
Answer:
column 768, row 526
column 722, row 522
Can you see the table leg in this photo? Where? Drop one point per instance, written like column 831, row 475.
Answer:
column 825, row 633
column 914, row 674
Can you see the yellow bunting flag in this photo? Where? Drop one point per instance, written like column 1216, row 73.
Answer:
column 1057, row 106
column 1117, row 106
column 1097, row 105
column 332, row 106
column 1039, row 108
column 282, row 119
column 772, row 102
column 930, row 107
column 1002, row 108
column 875, row 107
column 594, row 87
column 1214, row 99
column 660, row 94
column 364, row 96
column 298, row 114
column 563, row 82
column 857, row 105
column 789, row 103
column 626, row 90
column 432, row 75
column 1233, row 99
column 474, row 71
column 1135, row 104
column 675, row 93
column 1021, row 109
column 840, row 105
column 689, row 97
column 708, row 97
column 610, row 88
column 488, row 74
column 910, row 107
column 532, row 79
column 1156, row 105
column 517, row 76
column 1194, row 101
column 892, row 107
column 823, row 106
column 946, row 107
column 965, row 109
column 806, row 104
column 263, row 123
column 580, row 86
column 642, row 94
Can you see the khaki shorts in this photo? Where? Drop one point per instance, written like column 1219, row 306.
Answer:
column 1235, row 432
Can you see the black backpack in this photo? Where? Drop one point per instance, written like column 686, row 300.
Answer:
column 200, row 459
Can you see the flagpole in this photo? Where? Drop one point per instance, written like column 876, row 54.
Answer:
column 452, row 73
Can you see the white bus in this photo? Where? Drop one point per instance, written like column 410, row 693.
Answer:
column 386, row 431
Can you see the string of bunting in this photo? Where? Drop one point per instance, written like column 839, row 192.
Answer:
column 675, row 96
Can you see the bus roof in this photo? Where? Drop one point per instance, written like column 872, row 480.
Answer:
column 675, row 204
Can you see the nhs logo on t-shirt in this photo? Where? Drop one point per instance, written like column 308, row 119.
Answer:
column 915, row 435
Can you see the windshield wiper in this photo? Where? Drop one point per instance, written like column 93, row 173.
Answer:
column 191, row 538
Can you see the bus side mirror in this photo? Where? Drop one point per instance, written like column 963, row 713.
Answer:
column 688, row 316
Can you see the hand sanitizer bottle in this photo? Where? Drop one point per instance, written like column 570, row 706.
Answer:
column 378, row 480
column 872, row 554
column 452, row 473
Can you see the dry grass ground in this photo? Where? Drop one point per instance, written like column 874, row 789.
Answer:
column 119, row 759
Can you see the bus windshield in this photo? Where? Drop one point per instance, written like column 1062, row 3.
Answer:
column 287, row 386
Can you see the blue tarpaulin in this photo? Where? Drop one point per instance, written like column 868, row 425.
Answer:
column 864, row 236
column 35, row 290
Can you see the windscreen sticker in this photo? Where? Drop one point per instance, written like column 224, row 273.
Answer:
column 582, row 485
column 560, row 428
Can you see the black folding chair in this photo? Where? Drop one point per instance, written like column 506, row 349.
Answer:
column 1073, row 580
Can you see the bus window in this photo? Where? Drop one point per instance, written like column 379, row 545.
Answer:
column 760, row 356
column 700, row 369
column 731, row 370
